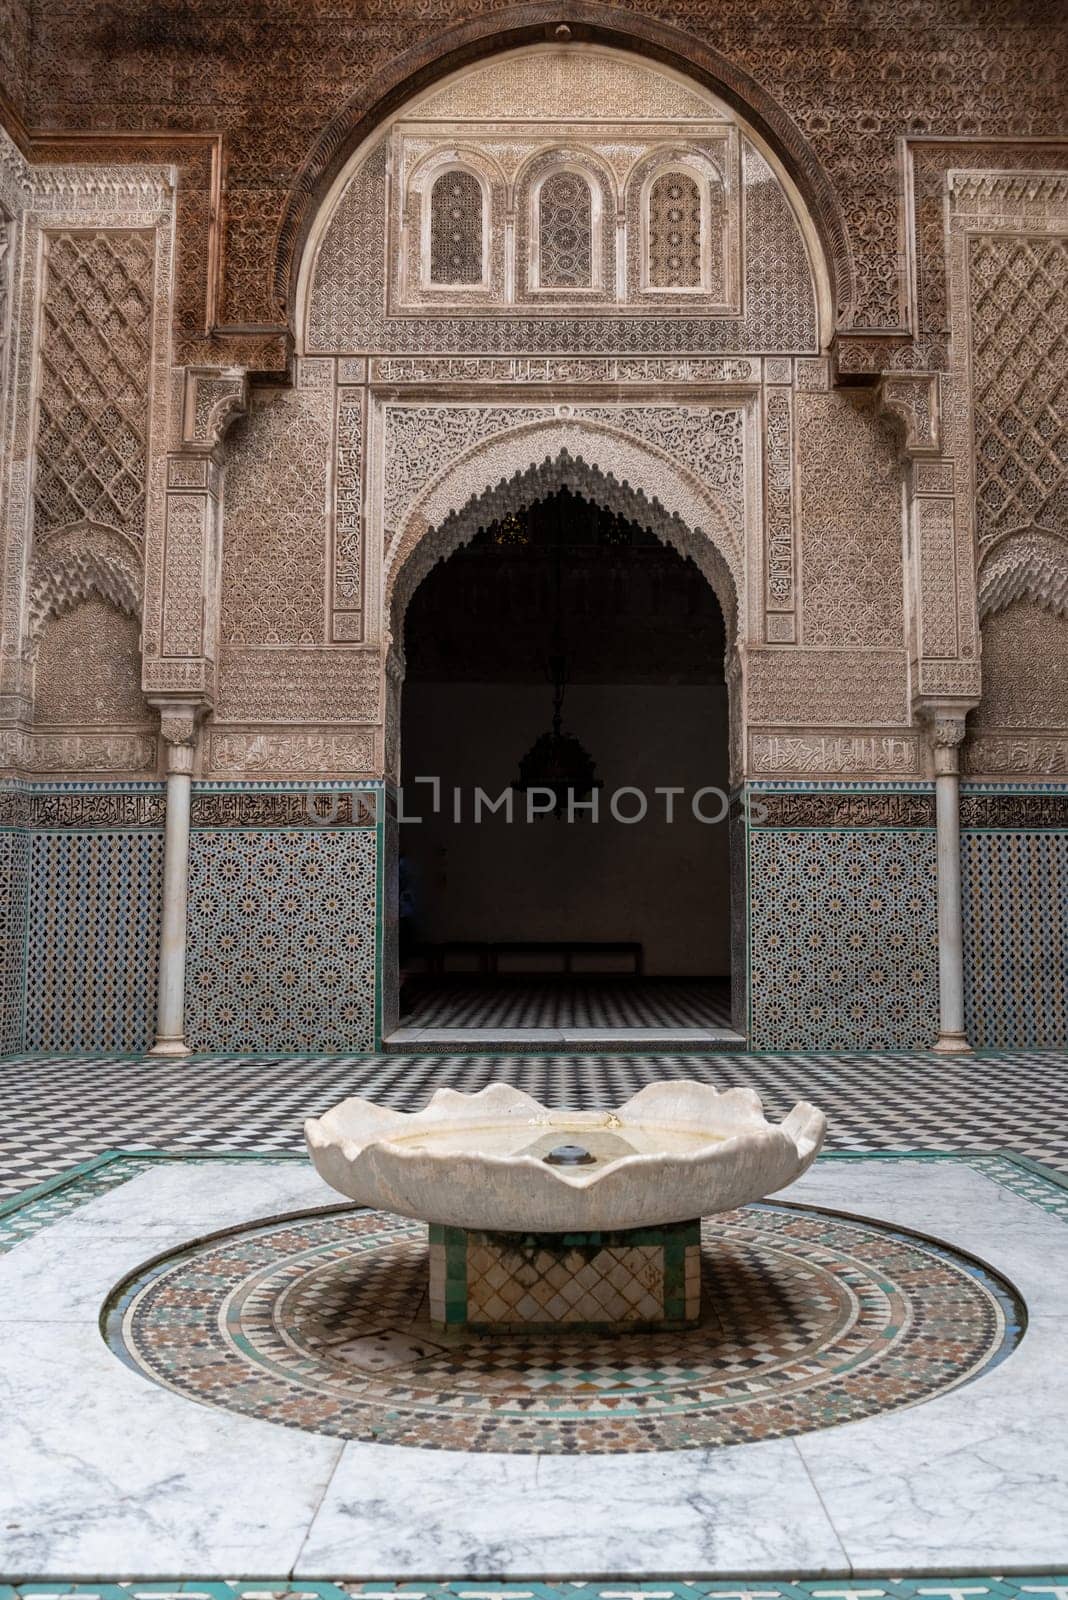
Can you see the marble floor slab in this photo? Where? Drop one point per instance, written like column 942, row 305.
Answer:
column 102, row 1472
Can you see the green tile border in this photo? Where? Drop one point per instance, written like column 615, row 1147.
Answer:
column 1050, row 1586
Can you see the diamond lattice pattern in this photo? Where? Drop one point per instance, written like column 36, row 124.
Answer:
column 95, row 352
column 1019, row 310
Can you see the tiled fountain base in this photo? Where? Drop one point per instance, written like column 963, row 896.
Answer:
column 325, row 1324
column 106, row 1474
column 632, row 1279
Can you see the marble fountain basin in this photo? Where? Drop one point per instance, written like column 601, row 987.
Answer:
column 674, row 1151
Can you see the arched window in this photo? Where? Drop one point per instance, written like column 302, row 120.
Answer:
column 565, row 232
column 456, row 228
column 674, row 235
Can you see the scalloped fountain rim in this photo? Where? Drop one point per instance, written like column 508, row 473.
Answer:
column 726, row 1153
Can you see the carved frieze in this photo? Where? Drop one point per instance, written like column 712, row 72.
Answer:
column 835, row 810
column 269, row 752
column 1010, row 754
column 313, row 808
column 563, row 369
column 1014, row 810
column 98, row 809
column 949, row 678
column 783, row 754
column 77, row 752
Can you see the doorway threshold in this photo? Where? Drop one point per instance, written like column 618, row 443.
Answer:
column 557, row 1041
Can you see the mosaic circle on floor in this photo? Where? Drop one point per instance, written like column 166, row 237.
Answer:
column 320, row 1322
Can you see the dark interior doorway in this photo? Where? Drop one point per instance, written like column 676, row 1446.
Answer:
column 564, row 616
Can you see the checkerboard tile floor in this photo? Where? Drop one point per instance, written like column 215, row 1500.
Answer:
column 57, row 1111
column 560, row 1002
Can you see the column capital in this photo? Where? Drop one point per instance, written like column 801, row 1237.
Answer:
column 178, row 720
column 946, row 729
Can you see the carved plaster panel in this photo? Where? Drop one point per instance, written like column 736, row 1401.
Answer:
column 88, row 669
column 933, row 531
column 780, row 555
column 90, row 323
column 346, row 307
column 561, row 84
column 833, row 688
column 851, row 524
column 348, row 529
column 298, row 686
column 1025, row 668
column 1016, row 755
column 274, row 542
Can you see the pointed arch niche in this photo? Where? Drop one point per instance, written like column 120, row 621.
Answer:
column 626, row 484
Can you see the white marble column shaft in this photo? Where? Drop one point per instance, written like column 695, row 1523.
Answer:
column 170, row 1014
column 947, row 734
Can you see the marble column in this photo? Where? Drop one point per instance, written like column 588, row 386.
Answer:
column 178, row 725
column 947, row 734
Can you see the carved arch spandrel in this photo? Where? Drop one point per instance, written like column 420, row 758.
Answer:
column 513, row 469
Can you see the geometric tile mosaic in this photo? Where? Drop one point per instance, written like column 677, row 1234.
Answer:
column 14, row 883
column 281, row 940
column 843, row 939
column 92, row 945
column 1015, row 913
column 565, row 1002
column 321, row 1323
column 63, row 1111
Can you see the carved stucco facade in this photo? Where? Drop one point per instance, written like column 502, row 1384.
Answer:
column 872, row 505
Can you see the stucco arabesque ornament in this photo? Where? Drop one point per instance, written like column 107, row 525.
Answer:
column 214, row 398
column 913, row 401
column 509, row 470
column 75, row 562
column 180, row 643
column 1031, row 564
column 942, row 599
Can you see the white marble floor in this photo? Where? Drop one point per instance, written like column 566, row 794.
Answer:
column 102, row 1472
